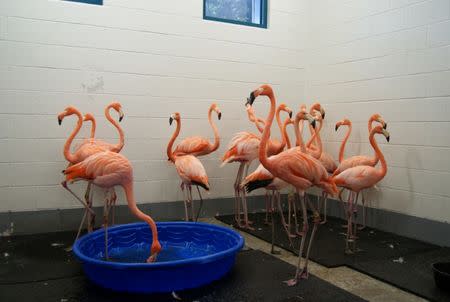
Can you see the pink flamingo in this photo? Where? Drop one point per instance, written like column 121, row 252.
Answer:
column 243, row 148
column 190, row 170
column 197, row 145
column 361, row 177
column 358, row 160
column 87, row 148
column 108, row 169
column 295, row 167
column 262, row 178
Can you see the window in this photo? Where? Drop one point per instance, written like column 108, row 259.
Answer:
column 98, row 2
column 245, row 12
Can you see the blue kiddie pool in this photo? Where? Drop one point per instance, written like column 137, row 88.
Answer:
column 192, row 255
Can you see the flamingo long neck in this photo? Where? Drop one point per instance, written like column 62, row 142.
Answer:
column 280, row 126
column 298, row 135
column 266, row 135
column 216, row 144
column 93, row 127
column 383, row 170
column 259, row 123
column 70, row 156
column 314, row 137
column 285, row 134
column 121, row 142
column 369, row 124
column 316, row 153
column 129, row 192
column 344, row 142
column 170, row 154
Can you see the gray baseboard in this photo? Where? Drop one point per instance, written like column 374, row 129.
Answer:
column 31, row 222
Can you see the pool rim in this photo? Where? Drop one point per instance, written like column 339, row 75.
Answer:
column 191, row 261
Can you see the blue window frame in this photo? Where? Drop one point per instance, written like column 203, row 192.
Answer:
column 244, row 12
column 97, row 2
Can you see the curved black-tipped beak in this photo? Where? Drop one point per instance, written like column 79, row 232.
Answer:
column 290, row 114
column 120, row 118
column 251, row 98
column 323, row 115
column 385, row 126
column 63, row 171
column 59, row 121
column 387, row 138
column 336, row 128
column 170, row 120
column 219, row 116
column 313, row 124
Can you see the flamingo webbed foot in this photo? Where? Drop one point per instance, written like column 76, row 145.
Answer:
column 291, row 282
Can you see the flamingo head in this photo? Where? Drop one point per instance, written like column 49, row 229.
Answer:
column 342, row 122
column 217, row 110
column 303, row 107
column 381, row 130
column 317, row 107
column 118, row 107
column 285, row 108
column 174, row 116
column 301, row 115
column 88, row 117
column 377, row 117
column 262, row 90
column 68, row 111
column 154, row 251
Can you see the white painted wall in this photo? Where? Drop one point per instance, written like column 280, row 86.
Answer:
column 390, row 57
column 355, row 57
column 155, row 57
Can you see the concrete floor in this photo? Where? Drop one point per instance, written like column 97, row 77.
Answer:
column 350, row 280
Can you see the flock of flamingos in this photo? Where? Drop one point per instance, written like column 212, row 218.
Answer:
column 282, row 165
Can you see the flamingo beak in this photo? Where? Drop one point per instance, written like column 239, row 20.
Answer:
column 121, row 115
column 290, row 114
column 251, row 99
column 322, row 112
column 336, row 127
column 384, row 125
column 386, row 134
column 219, row 115
column 311, row 120
column 59, row 121
column 170, row 120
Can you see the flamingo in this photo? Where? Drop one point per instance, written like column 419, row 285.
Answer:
column 262, row 178
column 243, row 148
column 358, row 160
column 108, row 169
column 87, row 148
column 362, row 177
column 295, row 167
column 189, row 169
column 197, row 145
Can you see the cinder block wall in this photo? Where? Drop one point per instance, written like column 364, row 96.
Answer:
column 390, row 57
column 155, row 57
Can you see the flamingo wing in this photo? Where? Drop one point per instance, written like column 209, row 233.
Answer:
column 191, row 171
column 357, row 178
column 195, row 145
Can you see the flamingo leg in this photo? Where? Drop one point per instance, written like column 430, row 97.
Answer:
column 191, row 202
column 186, row 216
column 355, row 225
column 113, row 206
column 64, row 184
column 201, row 204
column 349, row 223
column 364, row 212
column 324, row 198
column 272, row 250
column 88, row 200
column 244, row 207
column 283, row 221
column 295, row 214
column 289, row 211
column 105, row 225
column 237, row 198
column 294, row 280
column 247, row 222
column 268, row 199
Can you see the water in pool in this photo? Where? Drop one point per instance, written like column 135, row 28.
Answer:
column 138, row 253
